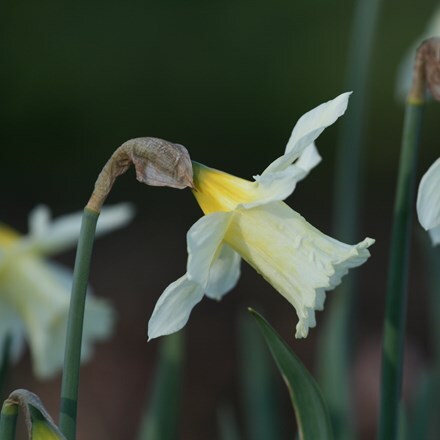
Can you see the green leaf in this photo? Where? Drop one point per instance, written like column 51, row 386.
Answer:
column 311, row 413
column 161, row 419
column 260, row 389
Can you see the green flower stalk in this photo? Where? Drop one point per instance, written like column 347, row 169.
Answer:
column 157, row 163
column 426, row 73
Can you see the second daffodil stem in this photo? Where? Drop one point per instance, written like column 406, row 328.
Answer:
column 69, row 387
column 425, row 74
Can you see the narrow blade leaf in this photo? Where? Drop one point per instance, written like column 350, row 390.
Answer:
column 311, row 413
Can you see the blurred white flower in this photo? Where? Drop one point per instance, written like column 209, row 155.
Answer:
column 248, row 220
column 428, row 202
column 35, row 293
column 405, row 70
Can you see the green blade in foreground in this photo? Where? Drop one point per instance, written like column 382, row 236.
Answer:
column 162, row 416
column 260, row 387
column 310, row 409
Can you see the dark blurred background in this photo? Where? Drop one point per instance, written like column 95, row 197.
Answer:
column 228, row 80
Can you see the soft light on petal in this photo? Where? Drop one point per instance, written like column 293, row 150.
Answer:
column 40, row 296
column 307, row 130
column 174, row 307
column 224, row 273
column 51, row 237
column 11, row 328
column 428, row 197
column 299, row 261
column 204, row 241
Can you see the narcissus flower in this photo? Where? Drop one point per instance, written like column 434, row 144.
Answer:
column 249, row 220
column 428, row 202
column 35, row 293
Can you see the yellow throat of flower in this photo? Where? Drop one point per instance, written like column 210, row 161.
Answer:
column 218, row 191
column 7, row 236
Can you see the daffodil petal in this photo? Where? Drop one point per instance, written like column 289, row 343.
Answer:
column 314, row 122
column 40, row 294
column 428, row 198
column 11, row 328
column 204, row 240
column 50, row 237
column 99, row 315
column 299, row 261
column 174, row 307
column 307, row 130
column 223, row 273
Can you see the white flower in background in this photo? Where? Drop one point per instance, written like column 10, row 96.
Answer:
column 35, row 293
column 248, row 220
column 405, row 70
column 428, row 202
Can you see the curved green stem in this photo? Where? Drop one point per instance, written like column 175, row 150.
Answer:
column 69, row 387
column 396, row 299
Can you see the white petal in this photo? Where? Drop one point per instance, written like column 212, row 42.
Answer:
column 434, row 233
column 224, row 273
column 204, row 240
column 40, row 295
column 174, row 307
column 313, row 123
column 278, row 185
column 61, row 234
column 309, row 158
column 299, row 261
column 428, row 197
column 11, row 328
column 307, row 130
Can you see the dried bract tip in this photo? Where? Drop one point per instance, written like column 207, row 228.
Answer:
column 38, row 421
column 426, row 71
column 433, row 67
column 157, row 163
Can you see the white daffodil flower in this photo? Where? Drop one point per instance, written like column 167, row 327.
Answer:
column 249, row 220
column 35, row 293
column 405, row 70
column 428, row 202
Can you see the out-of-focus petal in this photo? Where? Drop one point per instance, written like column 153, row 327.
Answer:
column 40, row 295
column 50, row 237
column 428, row 197
column 174, row 307
column 11, row 328
column 223, row 273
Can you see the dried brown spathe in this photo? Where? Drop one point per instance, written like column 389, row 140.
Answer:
column 157, row 163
